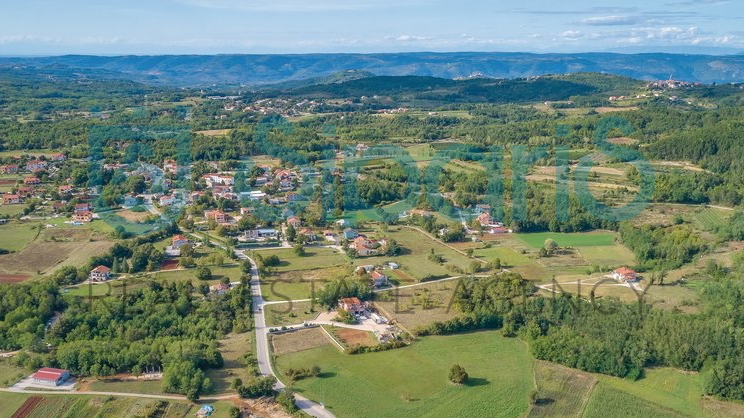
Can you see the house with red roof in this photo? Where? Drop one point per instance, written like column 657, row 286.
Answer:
column 31, row 181
column 86, row 216
column 625, row 274
column 351, row 305
column 379, row 279
column 219, row 216
column 100, row 274
column 11, row 199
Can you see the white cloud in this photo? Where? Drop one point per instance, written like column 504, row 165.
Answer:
column 288, row 5
column 610, row 20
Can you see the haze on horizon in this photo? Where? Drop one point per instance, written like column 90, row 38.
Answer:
column 43, row 27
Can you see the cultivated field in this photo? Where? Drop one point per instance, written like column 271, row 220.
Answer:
column 314, row 258
column 412, row 381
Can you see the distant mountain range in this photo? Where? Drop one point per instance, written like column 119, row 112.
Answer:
column 253, row 70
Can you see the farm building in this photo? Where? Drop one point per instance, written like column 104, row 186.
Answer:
column 625, row 274
column 100, row 274
column 50, row 377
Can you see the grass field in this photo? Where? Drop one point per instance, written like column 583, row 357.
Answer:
column 608, row 402
column 674, row 389
column 416, row 249
column 508, row 256
column 577, row 239
column 233, row 348
column 293, row 313
column 610, row 255
column 420, row 305
column 9, row 374
column 132, row 386
column 314, row 258
column 412, row 381
column 300, row 284
column 16, row 235
column 561, row 392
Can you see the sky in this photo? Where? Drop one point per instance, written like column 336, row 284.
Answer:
column 105, row 27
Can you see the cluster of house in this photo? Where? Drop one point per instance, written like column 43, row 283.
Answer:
column 31, row 181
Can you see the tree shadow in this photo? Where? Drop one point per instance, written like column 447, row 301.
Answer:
column 477, row 381
column 325, row 375
column 543, row 401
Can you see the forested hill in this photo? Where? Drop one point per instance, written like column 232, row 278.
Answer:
column 449, row 91
column 204, row 70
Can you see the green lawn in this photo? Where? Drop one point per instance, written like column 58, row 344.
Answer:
column 9, row 373
column 10, row 402
column 314, row 258
column 508, row 256
column 129, row 386
column 575, row 239
column 412, row 382
column 663, row 386
column 611, row 255
column 16, row 235
column 609, row 402
column 415, row 258
column 293, row 313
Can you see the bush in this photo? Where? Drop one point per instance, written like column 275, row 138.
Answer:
column 458, row 375
column 203, row 273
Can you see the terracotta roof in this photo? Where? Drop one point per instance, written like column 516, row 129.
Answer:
column 102, row 269
column 625, row 271
column 351, row 301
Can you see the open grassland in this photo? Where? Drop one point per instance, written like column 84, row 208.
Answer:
column 287, row 313
column 314, row 258
column 416, row 247
column 608, row 402
column 300, row 284
column 412, row 381
column 608, row 255
column 16, row 235
column 128, row 386
column 10, row 374
column 420, row 305
column 674, row 389
column 577, row 239
column 233, row 349
column 561, row 392
column 295, row 341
